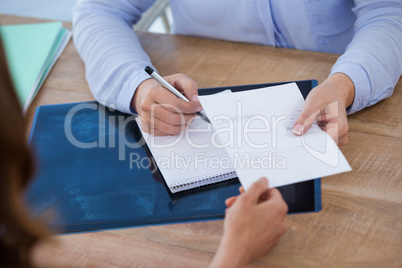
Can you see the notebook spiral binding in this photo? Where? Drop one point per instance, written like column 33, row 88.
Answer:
column 202, row 181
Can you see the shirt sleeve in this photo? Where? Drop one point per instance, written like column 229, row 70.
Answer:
column 113, row 57
column 373, row 60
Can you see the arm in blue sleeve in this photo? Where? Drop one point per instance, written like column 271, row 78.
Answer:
column 373, row 60
column 113, row 56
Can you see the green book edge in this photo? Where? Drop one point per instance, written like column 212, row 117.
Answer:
column 30, row 51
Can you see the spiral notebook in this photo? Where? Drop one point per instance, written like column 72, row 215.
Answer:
column 189, row 159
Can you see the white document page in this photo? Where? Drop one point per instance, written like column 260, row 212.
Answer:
column 192, row 158
column 255, row 127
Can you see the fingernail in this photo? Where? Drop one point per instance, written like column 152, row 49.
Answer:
column 262, row 180
column 298, row 129
column 195, row 98
column 199, row 108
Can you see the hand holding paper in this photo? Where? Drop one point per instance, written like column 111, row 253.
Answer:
column 256, row 128
column 327, row 104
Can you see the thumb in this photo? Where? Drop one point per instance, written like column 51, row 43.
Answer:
column 230, row 201
column 305, row 119
column 256, row 190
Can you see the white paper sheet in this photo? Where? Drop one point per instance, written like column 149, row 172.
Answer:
column 192, row 158
column 256, row 128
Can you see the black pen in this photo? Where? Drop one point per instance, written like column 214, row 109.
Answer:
column 171, row 88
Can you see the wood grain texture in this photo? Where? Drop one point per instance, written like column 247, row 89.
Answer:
column 360, row 223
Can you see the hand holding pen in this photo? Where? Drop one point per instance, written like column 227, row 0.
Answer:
column 161, row 112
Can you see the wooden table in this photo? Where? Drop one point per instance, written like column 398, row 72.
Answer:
column 361, row 220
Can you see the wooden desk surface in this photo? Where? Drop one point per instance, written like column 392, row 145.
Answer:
column 360, row 222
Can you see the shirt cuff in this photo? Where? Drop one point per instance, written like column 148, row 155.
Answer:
column 123, row 102
column 361, row 83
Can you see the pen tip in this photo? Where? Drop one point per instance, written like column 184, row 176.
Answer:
column 149, row 70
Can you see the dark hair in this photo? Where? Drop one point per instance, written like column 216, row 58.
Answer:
column 18, row 232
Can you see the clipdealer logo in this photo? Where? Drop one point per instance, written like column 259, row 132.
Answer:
column 117, row 127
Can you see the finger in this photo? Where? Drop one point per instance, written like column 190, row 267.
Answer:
column 331, row 111
column 275, row 199
column 173, row 103
column 338, row 129
column 156, row 132
column 311, row 110
column 189, row 88
column 241, row 189
column 176, row 105
column 343, row 140
column 151, row 124
column 333, row 131
column 230, row 201
column 274, row 195
column 322, row 125
column 264, row 196
column 256, row 189
column 337, row 126
column 305, row 120
column 185, row 84
column 169, row 117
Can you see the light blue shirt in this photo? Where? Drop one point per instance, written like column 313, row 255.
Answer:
column 367, row 32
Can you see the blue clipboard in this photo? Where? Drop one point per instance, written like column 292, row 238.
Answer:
column 86, row 177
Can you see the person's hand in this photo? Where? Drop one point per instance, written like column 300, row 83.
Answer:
column 327, row 104
column 254, row 224
column 161, row 112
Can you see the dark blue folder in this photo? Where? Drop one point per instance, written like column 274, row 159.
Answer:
column 88, row 181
